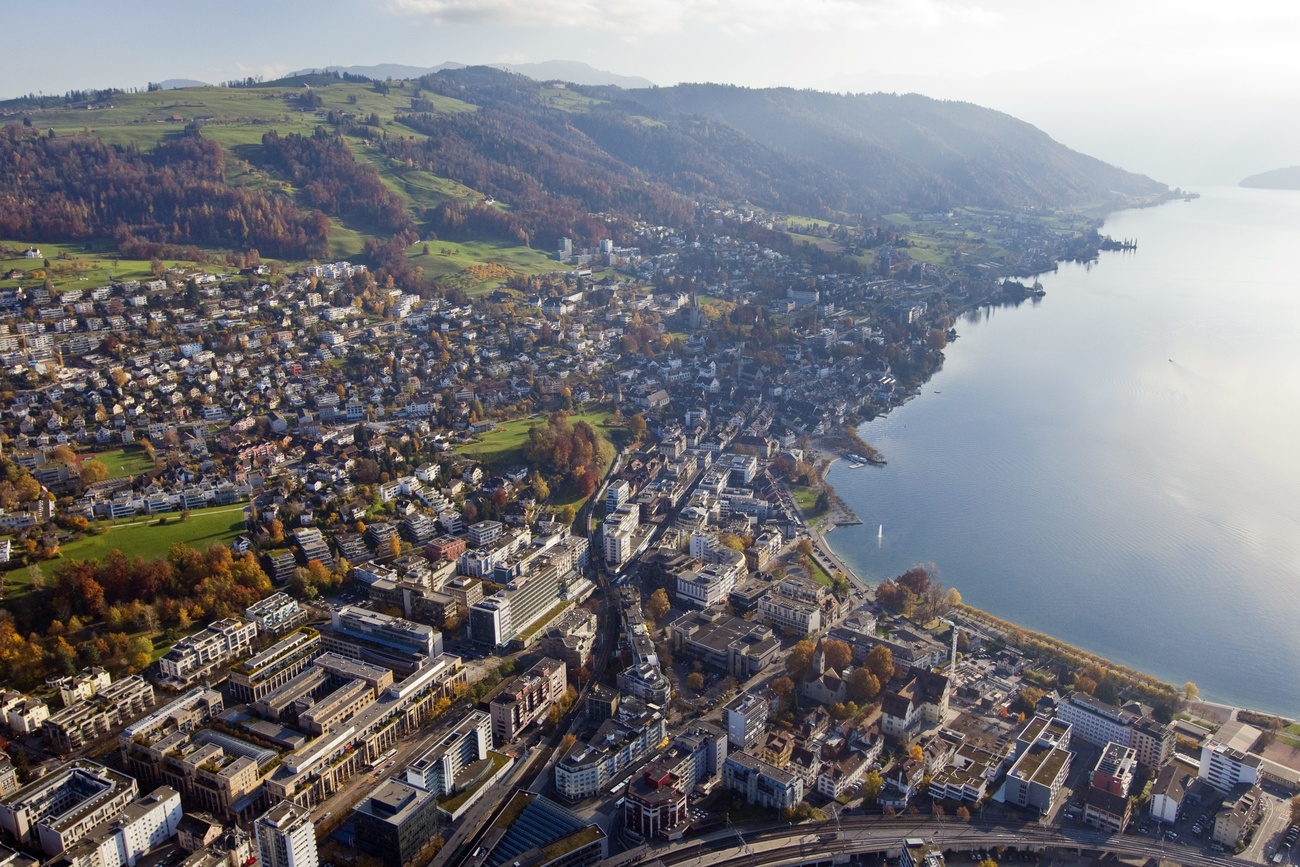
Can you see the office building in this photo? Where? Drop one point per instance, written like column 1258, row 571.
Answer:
column 392, row 642
column 396, row 821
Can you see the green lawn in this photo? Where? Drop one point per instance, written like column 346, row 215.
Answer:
column 126, row 461
column 503, row 447
column 146, row 538
column 806, row 499
column 85, row 266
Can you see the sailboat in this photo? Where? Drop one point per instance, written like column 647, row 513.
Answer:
column 880, row 534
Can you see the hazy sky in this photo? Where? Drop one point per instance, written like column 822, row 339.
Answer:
column 1188, row 92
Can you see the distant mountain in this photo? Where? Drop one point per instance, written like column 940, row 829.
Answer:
column 1277, row 179
column 908, row 148
column 178, row 83
column 551, row 70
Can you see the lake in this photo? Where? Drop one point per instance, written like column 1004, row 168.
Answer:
column 1118, row 464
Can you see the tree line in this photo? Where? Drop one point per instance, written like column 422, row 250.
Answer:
column 76, row 188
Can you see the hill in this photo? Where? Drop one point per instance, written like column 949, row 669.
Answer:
column 551, row 70
column 325, row 164
column 1278, row 179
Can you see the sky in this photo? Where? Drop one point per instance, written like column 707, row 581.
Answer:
column 1187, row 92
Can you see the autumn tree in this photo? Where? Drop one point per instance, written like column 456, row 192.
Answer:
column 962, row 814
column 863, row 685
column 880, row 662
column 636, row 426
column 916, row 753
column 800, row 657
column 872, row 785
column 695, row 681
column 838, row 654
column 783, row 687
column 93, row 471
column 658, row 606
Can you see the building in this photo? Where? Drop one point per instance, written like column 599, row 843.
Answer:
column 655, row 803
column 396, row 821
column 80, row 687
column 542, row 579
column 527, row 699
column 144, row 825
column 286, row 837
column 921, row 700
column 711, row 583
column 535, row 831
column 200, row 655
column 1107, row 806
column 602, row 702
column 1169, row 791
column 723, row 643
column 79, row 725
column 1041, row 765
column 617, row 534
column 918, row 852
column 1099, row 723
column 1226, row 760
column 646, row 681
column 276, row 614
column 265, row 672
column 1236, row 816
column 572, row 638
column 438, row 767
column 761, row 783
column 393, row 642
column 744, row 718
column 62, row 807
column 620, row 743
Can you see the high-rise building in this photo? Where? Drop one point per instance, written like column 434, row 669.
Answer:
column 286, row 837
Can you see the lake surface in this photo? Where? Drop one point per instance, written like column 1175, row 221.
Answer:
column 1118, row 465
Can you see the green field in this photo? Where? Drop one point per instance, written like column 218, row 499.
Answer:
column 476, row 267
column 503, row 447
column 81, row 266
column 144, row 537
column 126, row 461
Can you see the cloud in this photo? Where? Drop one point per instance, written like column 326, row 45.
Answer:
column 735, row 17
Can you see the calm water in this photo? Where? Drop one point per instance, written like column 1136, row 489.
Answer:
column 1119, row 464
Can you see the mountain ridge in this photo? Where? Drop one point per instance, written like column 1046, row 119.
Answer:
column 573, row 71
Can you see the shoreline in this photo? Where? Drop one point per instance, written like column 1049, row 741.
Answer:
column 1206, row 708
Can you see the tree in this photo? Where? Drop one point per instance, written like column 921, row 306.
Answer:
column 916, row 752
column 695, row 681
column 838, row 654
column 880, row 662
column 872, row 784
column 800, row 657
column 784, row 689
column 93, row 471
column 636, row 426
column 566, row 743
column 63, row 455
column 863, row 685
column 1190, row 692
column 962, row 814
column 1027, row 699
column 658, row 606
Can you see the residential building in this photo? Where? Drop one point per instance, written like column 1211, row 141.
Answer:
column 286, row 837
column 200, row 655
column 276, row 614
column 635, row 731
column 62, row 807
column 80, row 687
column 75, row 727
column 655, row 803
column 1097, row 722
column 265, row 672
column 527, row 698
column 1236, row 816
column 1226, row 762
column 437, row 768
column 761, row 783
column 1041, row 765
column 142, row 826
column 1170, row 790
column 1107, row 806
column 920, row 852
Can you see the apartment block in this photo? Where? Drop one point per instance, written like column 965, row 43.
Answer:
column 527, row 699
column 75, row 727
column 62, row 807
column 200, row 655
column 437, row 768
column 262, row 674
